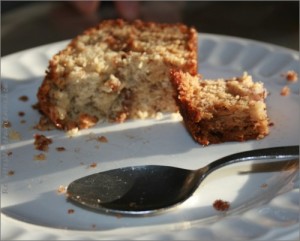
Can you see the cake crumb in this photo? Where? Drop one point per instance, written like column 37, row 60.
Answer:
column 40, row 157
column 60, row 148
column 291, row 76
column 6, row 124
column 21, row 113
column 221, row 205
column 271, row 124
column 285, row 91
column 41, row 142
column 11, row 173
column 94, row 137
column 102, row 139
column 14, row 135
column 93, row 165
column 264, row 185
column 61, row 189
column 23, row 98
column 71, row 211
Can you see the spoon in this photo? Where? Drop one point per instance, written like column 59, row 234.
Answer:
column 150, row 189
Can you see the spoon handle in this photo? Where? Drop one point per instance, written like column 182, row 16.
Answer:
column 282, row 152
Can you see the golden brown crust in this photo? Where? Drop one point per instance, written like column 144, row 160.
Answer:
column 120, row 46
column 216, row 111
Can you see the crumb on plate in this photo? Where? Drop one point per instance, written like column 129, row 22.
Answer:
column 41, row 142
column 23, row 98
column 71, row 211
column 285, row 91
column 6, row 124
column 60, row 148
column 61, row 189
column 93, row 165
column 291, row 76
column 10, row 173
column 264, row 185
column 21, row 113
column 221, row 205
column 40, row 157
column 102, row 139
column 14, row 135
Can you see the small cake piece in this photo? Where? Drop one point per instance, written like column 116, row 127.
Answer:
column 116, row 71
column 291, row 76
column 285, row 91
column 216, row 111
column 221, row 205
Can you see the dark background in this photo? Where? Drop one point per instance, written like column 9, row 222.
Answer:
column 32, row 23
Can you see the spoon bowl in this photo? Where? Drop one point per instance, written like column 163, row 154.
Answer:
column 151, row 189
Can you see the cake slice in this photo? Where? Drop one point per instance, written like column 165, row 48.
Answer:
column 216, row 111
column 116, row 71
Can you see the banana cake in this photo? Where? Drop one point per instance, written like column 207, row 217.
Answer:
column 216, row 111
column 116, row 71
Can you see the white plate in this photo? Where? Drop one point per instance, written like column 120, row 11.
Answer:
column 264, row 198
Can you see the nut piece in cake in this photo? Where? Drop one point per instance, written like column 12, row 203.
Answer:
column 116, row 71
column 216, row 111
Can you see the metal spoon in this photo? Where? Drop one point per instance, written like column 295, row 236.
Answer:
column 151, row 189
